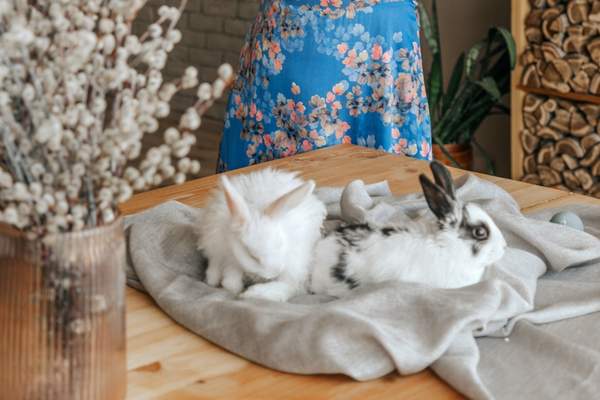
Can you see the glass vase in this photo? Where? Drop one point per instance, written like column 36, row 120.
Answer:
column 62, row 315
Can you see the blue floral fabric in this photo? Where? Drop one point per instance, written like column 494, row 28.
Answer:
column 320, row 72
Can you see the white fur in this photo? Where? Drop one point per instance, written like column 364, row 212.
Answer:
column 257, row 238
column 425, row 254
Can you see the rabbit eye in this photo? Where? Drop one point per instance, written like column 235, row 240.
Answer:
column 480, row 233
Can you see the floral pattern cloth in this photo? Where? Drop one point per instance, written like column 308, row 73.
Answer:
column 315, row 73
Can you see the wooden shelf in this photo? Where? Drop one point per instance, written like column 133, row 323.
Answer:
column 520, row 9
column 578, row 97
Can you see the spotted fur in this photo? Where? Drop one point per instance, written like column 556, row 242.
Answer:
column 449, row 251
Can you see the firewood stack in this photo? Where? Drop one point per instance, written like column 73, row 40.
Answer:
column 561, row 140
column 563, row 52
column 561, row 136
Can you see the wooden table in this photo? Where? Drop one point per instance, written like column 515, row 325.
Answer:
column 165, row 361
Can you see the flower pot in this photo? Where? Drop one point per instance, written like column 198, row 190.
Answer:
column 462, row 153
column 62, row 315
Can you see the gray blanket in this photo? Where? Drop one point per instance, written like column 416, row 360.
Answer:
column 530, row 330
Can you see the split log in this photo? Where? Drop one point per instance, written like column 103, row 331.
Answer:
column 580, row 82
column 543, row 116
column 550, row 105
column 578, row 11
column 530, row 121
column 557, row 75
column 594, row 49
column 591, row 157
column 561, row 139
column 584, row 177
column 533, row 179
column 534, row 35
column 532, row 103
column 531, row 77
column 595, row 85
column 529, row 142
column 562, row 120
column 566, row 105
column 570, row 162
column 548, row 176
column 579, row 125
column 557, row 164
column 552, row 51
column 591, row 111
column 570, row 180
column 596, row 169
column 596, row 190
column 576, row 61
column 534, row 18
column 590, row 28
column 537, row 3
column 549, row 133
column 545, row 154
column 561, row 34
column 594, row 15
column 570, row 146
column 550, row 14
column 590, row 141
column 529, row 164
column 590, row 68
column 528, row 57
column 557, row 28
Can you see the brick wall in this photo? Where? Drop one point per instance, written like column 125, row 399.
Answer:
column 213, row 33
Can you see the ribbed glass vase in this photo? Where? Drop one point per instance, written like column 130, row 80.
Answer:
column 62, row 315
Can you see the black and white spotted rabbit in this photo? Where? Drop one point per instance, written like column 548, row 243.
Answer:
column 450, row 251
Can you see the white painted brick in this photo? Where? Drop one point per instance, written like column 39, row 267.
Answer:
column 192, row 39
column 206, row 58
column 200, row 22
column 225, row 8
column 223, row 42
column 213, row 32
column 236, row 27
column 247, row 9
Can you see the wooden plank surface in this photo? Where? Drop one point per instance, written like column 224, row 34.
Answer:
column 519, row 11
column 167, row 362
column 572, row 96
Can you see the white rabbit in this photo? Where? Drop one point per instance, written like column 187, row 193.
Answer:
column 259, row 232
column 450, row 251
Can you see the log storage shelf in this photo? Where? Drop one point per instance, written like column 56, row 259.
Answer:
column 556, row 94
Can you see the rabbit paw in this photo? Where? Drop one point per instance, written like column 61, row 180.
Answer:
column 214, row 274
column 233, row 280
column 273, row 291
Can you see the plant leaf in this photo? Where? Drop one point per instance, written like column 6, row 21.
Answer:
column 489, row 162
column 428, row 30
column 472, row 57
column 435, row 22
column 455, row 79
column 489, row 85
column 446, row 152
column 509, row 42
column 435, row 79
column 435, row 85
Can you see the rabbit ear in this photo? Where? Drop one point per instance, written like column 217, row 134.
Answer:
column 441, row 203
column 235, row 202
column 290, row 200
column 443, row 178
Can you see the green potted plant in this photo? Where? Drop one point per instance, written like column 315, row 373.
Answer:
column 479, row 81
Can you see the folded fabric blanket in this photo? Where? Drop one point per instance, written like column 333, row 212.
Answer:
column 529, row 330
